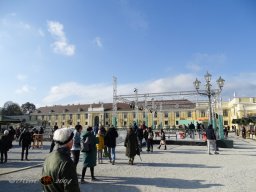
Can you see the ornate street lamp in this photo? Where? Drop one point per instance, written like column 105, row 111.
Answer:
column 208, row 91
column 136, row 106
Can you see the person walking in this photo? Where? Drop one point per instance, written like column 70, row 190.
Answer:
column 145, row 135
column 140, row 136
column 5, row 145
column 76, row 146
column 96, row 129
column 100, row 146
column 131, row 144
column 244, row 132
column 25, row 142
column 162, row 141
column 90, row 155
column 150, row 140
column 103, row 132
column 111, row 136
column 12, row 133
column 53, row 143
column 58, row 165
column 211, row 139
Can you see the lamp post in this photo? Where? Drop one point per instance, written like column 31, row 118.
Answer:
column 153, row 112
column 209, row 92
column 136, row 105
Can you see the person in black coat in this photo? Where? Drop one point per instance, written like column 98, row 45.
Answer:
column 5, row 145
column 110, row 140
column 131, row 144
column 12, row 133
column 244, row 132
column 211, row 139
column 53, row 143
column 25, row 143
column 140, row 136
column 150, row 137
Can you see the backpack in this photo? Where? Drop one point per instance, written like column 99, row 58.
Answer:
column 86, row 145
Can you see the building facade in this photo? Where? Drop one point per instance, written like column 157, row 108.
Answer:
column 166, row 114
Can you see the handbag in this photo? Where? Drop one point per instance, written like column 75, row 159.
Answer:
column 86, row 145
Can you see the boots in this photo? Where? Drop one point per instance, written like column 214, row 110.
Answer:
column 159, row 147
column 92, row 174
column 165, row 147
column 83, row 174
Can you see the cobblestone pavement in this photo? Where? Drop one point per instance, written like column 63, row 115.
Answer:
column 179, row 168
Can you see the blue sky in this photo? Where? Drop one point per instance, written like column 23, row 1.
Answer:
column 66, row 52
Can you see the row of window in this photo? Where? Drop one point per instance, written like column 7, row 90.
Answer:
column 125, row 114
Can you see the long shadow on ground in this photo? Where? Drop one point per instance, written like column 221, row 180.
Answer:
column 130, row 183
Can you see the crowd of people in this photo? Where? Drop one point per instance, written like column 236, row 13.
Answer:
column 25, row 138
column 93, row 145
column 22, row 135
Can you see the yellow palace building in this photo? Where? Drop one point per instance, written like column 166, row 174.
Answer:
column 172, row 113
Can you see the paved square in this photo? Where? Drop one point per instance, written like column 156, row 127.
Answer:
column 179, row 168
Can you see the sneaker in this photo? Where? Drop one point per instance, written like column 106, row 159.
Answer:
column 216, row 153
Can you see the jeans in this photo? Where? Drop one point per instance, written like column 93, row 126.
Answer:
column 112, row 153
column 211, row 143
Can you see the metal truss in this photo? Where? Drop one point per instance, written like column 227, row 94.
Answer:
column 153, row 102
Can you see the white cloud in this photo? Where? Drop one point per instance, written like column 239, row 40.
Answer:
column 25, row 89
column 61, row 44
column 243, row 84
column 73, row 93
column 78, row 93
column 98, row 42
column 21, row 77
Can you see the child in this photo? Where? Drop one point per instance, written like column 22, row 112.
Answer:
column 100, row 146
